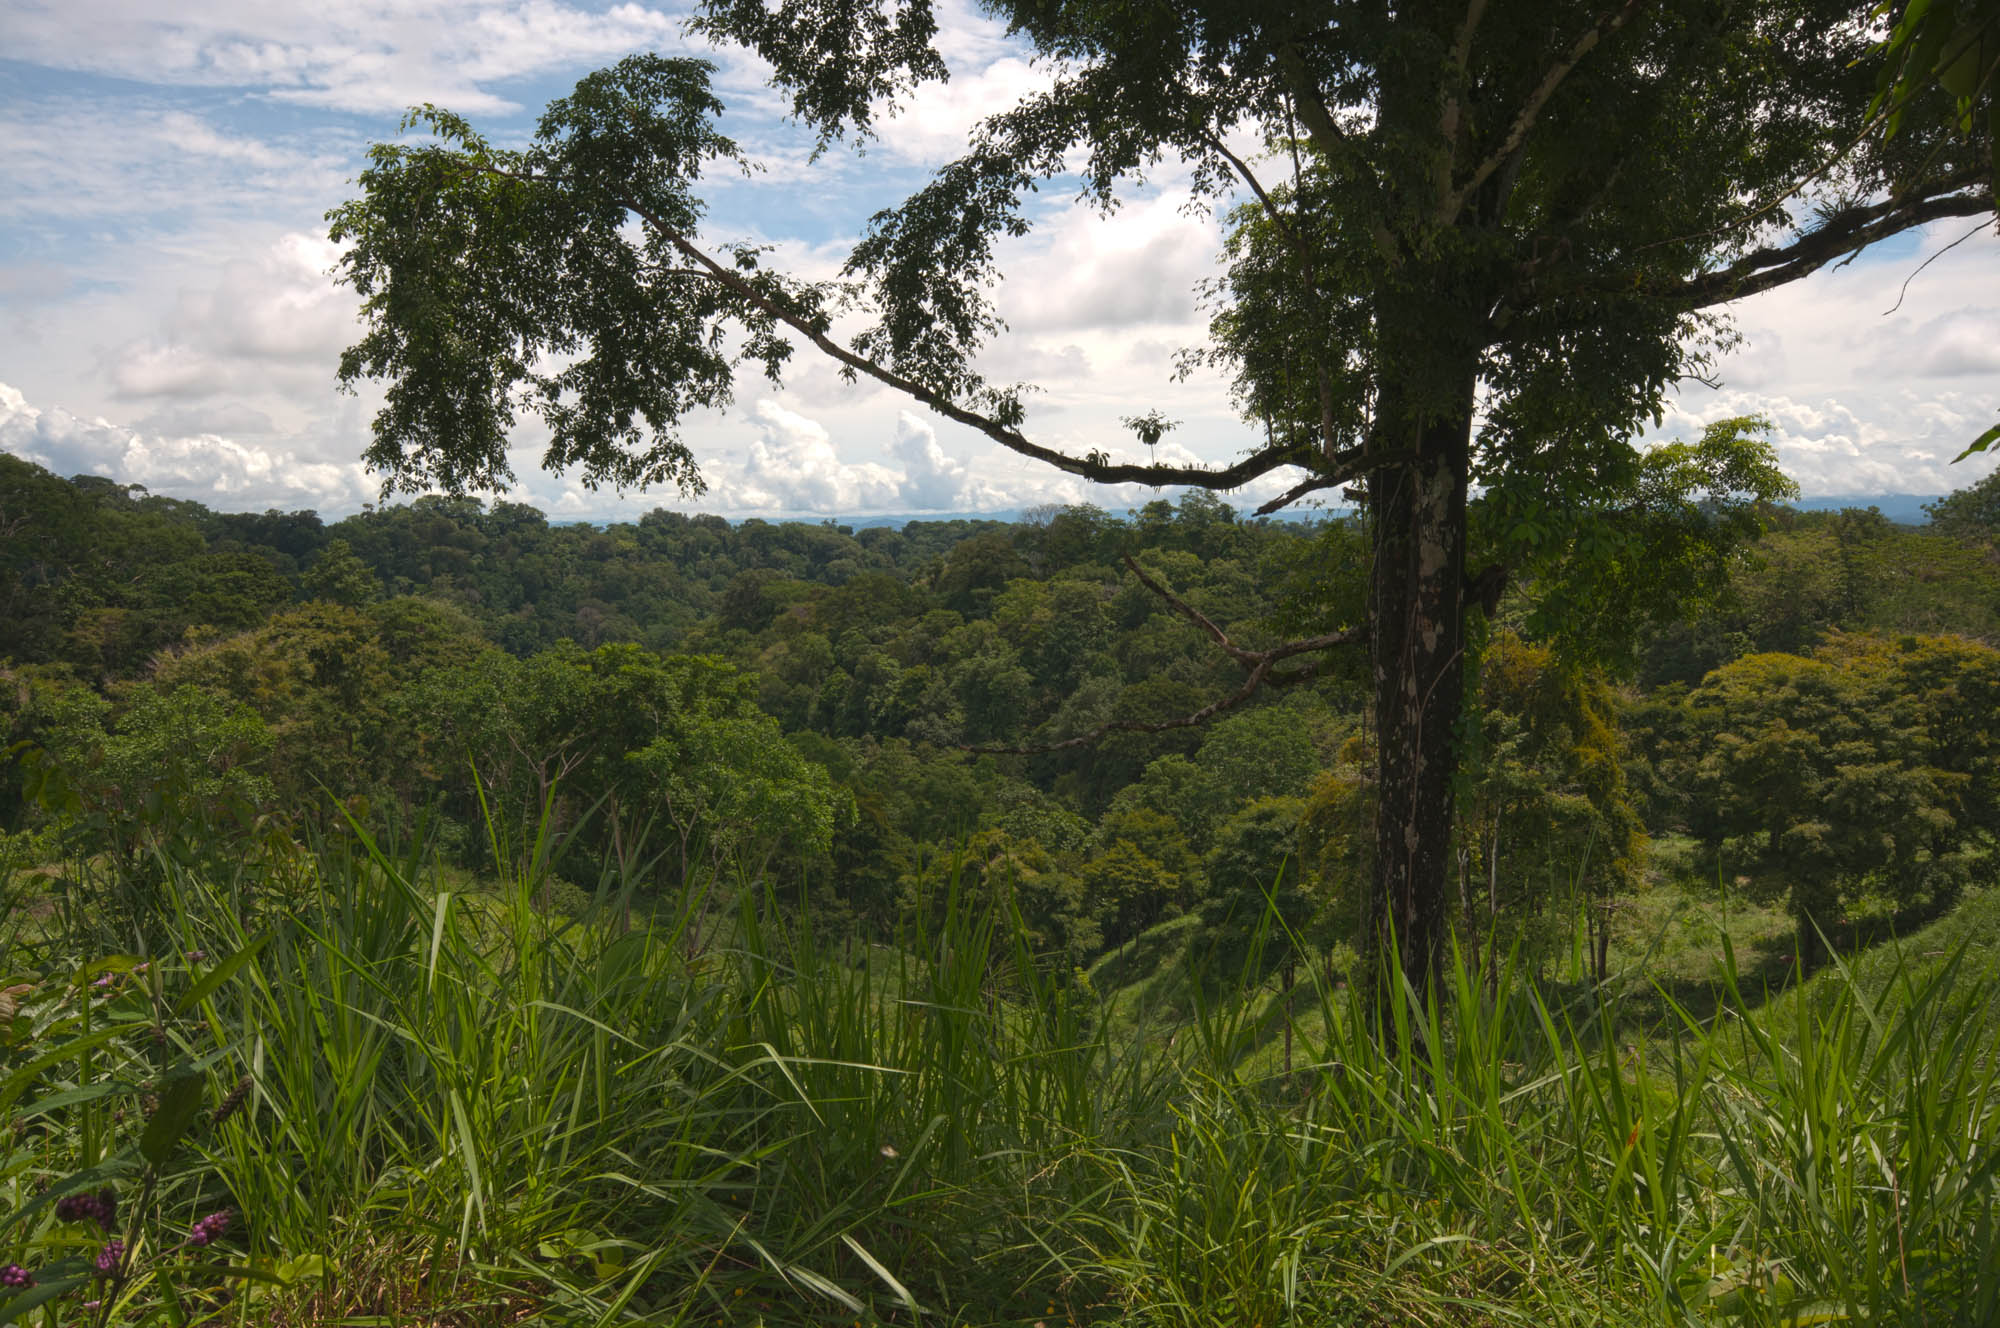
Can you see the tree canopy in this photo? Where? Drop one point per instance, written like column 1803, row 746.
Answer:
column 1486, row 237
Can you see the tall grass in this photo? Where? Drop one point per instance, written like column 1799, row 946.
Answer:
column 461, row 1109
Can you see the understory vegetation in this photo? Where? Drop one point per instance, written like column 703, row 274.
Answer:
column 456, row 1107
column 444, row 917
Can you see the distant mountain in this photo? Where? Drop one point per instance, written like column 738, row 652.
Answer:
column 1903, row 508
column 1009, row 515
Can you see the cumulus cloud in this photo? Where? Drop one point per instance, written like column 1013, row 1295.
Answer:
column 1137, row 267
column 276, row 309
column 939, row 118
column 1963, row 343
column 791, row 466
column 223, row 472
column 1903, row 442
column 166, row 273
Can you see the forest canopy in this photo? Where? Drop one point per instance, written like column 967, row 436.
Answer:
column 808, row 704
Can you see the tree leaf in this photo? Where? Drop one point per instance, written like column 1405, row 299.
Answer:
column 1981, row 443
column 180, row 1104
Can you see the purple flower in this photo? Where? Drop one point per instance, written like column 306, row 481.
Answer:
column 14, row 1275
column 110, row 1257
column 101, row 1208
column 210, row 1227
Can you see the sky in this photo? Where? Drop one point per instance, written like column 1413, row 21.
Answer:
column 168, row 317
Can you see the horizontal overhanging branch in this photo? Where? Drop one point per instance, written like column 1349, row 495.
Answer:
column 1090, row 467
column 1966, row 194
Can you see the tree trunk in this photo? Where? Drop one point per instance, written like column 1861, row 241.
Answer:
column 1418, row 645
column 1431, row 305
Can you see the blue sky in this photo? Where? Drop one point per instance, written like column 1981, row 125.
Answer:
column 166, row 316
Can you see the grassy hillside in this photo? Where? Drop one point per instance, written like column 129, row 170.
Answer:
column 452, row 1108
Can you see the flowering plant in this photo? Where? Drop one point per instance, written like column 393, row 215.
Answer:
column 94, row 1166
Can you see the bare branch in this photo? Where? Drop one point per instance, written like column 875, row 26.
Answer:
column 1271, row 210
column 1453, row 201
column 1193, row 615
column 1312, row 484
column 1090, row 467
column 1345, row 466
column 1199, row 717
column 1904, row 292
column 1259, row 663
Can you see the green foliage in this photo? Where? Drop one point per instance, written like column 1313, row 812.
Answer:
column 451, row 1105
column 116, row 1214
column 1873, row 766
column 1969, row 513
column 1258, row 910
column 1819, row 572
column 1941, row 61
column 339, row 577
column 612, row 740
column 1649, row 540
column 442, row 217
column 1547, row 828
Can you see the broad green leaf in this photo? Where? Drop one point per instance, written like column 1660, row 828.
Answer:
column 1981, row 443
column 181, row 1101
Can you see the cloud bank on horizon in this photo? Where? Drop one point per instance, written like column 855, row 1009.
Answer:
column 167, row 317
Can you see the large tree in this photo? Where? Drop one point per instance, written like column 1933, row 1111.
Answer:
column 1487, row 238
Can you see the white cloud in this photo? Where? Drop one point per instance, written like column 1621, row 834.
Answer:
column 938, row 119
column 276, row 310
column 1903, row 443
column 166, row 272
column 147, row 166
column 1876, row 374
column 222, row 472
column 1137, row 267
column 351, row 55
column 1962, row 344
column 791, row 466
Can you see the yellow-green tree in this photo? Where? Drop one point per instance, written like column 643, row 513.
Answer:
column 1871, row 767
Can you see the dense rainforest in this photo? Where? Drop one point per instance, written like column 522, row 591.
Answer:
column 854, row 717
column 443, row 916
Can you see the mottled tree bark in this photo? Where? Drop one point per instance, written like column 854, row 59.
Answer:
column 1418, row 590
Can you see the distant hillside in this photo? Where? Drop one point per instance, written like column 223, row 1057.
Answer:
column 1905, row 509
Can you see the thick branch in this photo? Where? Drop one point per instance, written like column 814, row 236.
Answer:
column 1843, row 233
column 1524, row 120
column 1333, row 142
column 1453, row 113
column 1321, row 127
column 1193, row 615
column 1090, row 468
